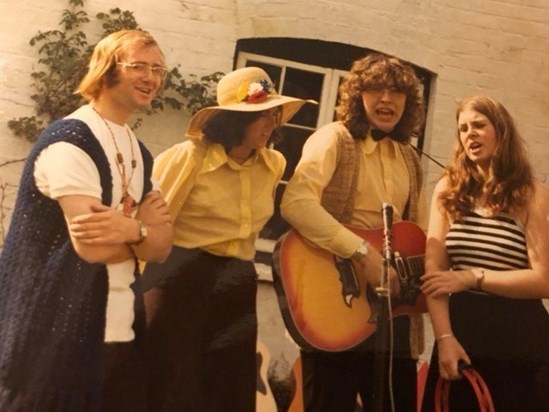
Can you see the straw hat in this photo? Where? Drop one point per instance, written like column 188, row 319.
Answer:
column 245, row 90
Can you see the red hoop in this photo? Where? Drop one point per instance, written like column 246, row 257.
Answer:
column 442, row 391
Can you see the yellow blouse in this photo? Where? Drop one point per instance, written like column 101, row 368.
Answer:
column 215, row 203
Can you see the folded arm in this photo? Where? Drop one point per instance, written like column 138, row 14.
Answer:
column 98, row 233
column 105, row 231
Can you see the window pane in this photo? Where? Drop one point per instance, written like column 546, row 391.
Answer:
column 305, row 85
column 291, row 146
column 297, row 83
column 274, row 72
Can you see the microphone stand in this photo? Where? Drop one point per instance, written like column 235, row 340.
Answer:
column 382, row 331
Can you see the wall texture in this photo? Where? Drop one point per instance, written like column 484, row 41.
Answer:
column 496, row 47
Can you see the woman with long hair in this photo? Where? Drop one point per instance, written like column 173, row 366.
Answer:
column 487, row 267
column 219, row 186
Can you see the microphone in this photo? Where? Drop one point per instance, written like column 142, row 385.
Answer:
column 387, row 212
column 383, row 343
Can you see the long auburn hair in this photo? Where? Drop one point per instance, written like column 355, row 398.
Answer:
column 378, row 70
column 510, row 177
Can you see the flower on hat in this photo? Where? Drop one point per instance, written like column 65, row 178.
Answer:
column 255, row 92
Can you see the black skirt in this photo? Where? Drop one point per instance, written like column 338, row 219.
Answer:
column 201, row 337
column 508, row 343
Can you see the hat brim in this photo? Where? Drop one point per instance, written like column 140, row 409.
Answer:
column 290, row 106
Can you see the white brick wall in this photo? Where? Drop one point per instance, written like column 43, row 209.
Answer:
column 500, row 48
column 497, row 47
column 199, row 36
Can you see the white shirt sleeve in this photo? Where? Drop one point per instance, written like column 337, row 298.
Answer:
column 64, row 169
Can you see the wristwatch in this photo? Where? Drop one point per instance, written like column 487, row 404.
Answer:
column 361, row 251
column 479, row 277
column 143, row 233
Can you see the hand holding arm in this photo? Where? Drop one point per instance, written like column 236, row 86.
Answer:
column 98, row 233
column 104, row 226
column 528, row 283
column 442, row 282
column 153, row 212
column 533, row 282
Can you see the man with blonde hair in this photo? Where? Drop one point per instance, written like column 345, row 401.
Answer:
column 86, row 209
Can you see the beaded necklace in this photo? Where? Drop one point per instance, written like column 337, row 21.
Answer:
column 127, row 201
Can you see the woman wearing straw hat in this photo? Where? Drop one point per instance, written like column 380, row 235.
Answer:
column 201, row 307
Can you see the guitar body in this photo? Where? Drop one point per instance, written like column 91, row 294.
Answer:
column 309, row 290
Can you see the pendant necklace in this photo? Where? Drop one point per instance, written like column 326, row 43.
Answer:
column 127, row 202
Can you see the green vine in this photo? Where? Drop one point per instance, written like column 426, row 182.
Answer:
column 63, row 57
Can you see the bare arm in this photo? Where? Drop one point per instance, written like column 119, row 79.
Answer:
column 107, row 228
column 154, row 213
column 439, row 282
column 531, row 283
column 111, row 246
column 450, row 350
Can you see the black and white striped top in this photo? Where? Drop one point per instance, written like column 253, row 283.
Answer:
column 496, row 243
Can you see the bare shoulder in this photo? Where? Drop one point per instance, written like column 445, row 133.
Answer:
column 441, row 185
column 539, row 199
column 538, row 204
column 541, row 191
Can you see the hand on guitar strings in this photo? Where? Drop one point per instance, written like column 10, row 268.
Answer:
column 370, row 267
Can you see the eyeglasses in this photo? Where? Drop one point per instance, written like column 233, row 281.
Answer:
column 143, row 69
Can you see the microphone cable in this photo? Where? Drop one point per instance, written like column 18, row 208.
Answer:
column 421, row 152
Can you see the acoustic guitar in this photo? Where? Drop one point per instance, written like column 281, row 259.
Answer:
column 325, row 304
